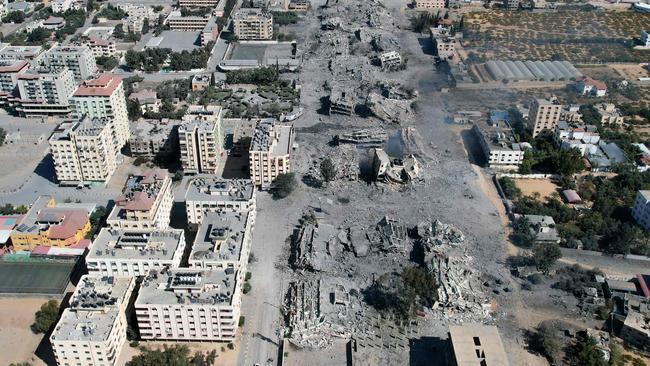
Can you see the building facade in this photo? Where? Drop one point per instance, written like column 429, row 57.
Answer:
column 48, row 224
column 253, row 23
column 641, row 209
column 9, row 71
column 201, row 139
column 543, row 115
column 129, row 252
column 92, row 330
column 270, row 152
column 44, row 92
column 429, row 4
column 78, row 59
column 153, row 138
column 83, row 151
column 208, row 193
column 145, row 203
column 104, row 98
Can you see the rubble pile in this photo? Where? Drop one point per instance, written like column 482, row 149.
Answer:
column 390, row 235
column 346, row 161
column 436, row 233
column 316, row 247
column 395, row 170
column 459, row 293
column 389, row 110
column 374, row 137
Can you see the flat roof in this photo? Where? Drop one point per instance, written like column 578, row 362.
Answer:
column 220, row 237
column 140, row 192
column 476, row 343
column 146, row 244
column 212, row 188
column 272, row 137
column 103, row 86
column 188, row 286
column 152, row 129
column 94, row 308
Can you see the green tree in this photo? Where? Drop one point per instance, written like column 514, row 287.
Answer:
column 586, row 353
column 118, row 32
column 14, row 17
column 38, row 35
column 133, row 109
column 3, row 136
column 545, row 341
column 526, row 166
column 177, row 355
column 567, row 162
column 327, row 170
column 509, row 188
column 46, row 317
column 107, row 63
column 284, row 184
column 545, row 255
column 145, row 26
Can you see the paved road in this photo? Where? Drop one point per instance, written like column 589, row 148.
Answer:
column 609, row 265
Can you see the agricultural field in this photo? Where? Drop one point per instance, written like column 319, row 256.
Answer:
column 591, row 37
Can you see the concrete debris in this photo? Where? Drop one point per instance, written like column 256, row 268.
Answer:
column 389, row 110
column 341, row 102
column 395, row 170
column 365, row 138
column 390, row 235
column 314, row 245
column 390, row 60
column 358, row 241
column 398, row 91
column 436, row 233
column 346, row 161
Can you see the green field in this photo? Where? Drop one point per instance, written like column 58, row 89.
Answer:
column 34, row 277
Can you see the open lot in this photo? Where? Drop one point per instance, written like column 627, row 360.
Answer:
column 179, row 40
column 584, row 37
column 260, row 52
column 34, row 277
column 529, row 187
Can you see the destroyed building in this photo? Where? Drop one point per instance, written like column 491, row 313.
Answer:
column 394, row 170
column 365, row 137
column 390, row 60
column 341, row 102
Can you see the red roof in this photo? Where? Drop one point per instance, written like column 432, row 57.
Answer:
column 81, row 244
column 591, row 82
column 41, row 249
column 70, row 221
column 139, row 202
column 103, row 86
column 14, row 67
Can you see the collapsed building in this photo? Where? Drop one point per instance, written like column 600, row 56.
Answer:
column 375, row 137
column 341, row 102
column 395, row 170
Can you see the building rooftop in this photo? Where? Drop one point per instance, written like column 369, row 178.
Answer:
column 140, row 192
column 272, row 137
column 638, row 321
column 94, row 307
column 245, row 13
column 476, row 344
column 8, row 51
column 146, row 244
column 10, row 66
column 153, row 129
column 498, row 134
column 144, row 96
column 68, row 49
column 212, row 188
column 592, row 82
column 103, row 86
column 220, row 237
column 188, row 286
column 59, row 222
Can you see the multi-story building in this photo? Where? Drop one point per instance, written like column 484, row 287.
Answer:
column 210, row 32
column 498, row 142
column 44, row 92
column 223, row 241
column 92, row 330
column 201, row 139
column 61, row 6
column 129, row 252
column 9, row 71
column 299, row 5
column 101, row 47
column 145, row 203
column 641, row 209
column 83, row 152
column 198, row 3
column 636, row 330
column 389, row 60
column 583, row 138
column 209, row 193
column 189, row 304
column 429, row 4
column 445, row 46
column 543, row 115
column 9, row 52
column 253, row 23
column 103, row 97
column 200, row 82
column 189, row 23
column 270, row 152
column 609, row 114
column 52, row 225
column 153, row 138
column 79, row 59
column 476, row 344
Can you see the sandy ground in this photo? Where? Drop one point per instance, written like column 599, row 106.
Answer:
column 631, row 72
column 225, row 356
column 15, row 335
column 542, row 186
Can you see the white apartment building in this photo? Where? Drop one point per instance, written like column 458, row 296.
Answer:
column 270, row 152
column 103, row 97
column 44, row 92
column 61, row 6
column 145, row 203
column 198, row 3
column 79, row 59
column 9, row 71
column 201, row 139
column 92, row 330
column 153, row 138
column 253, row 23
column 120, row 252
column 209, row 193
column 101, row 47
column 543, row 115
column 583, row 138
column 83, row 151
column 429, row 4
column 499, row 145
column 189, row 23
column 189, row 304
column 223, row 241
column 641, row 209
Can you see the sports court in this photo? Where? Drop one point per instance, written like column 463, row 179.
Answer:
column 34, row 277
